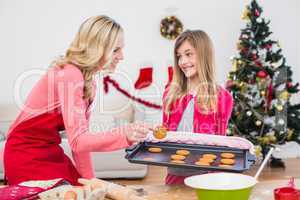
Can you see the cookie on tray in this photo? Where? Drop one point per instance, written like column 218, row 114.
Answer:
column 177, row 157
column 207, row 160
column 209, row 155
column 227, row 155
column 183, row 152
column 227, row 161
column 154, row 149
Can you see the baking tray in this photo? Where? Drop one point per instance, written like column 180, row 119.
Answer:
column 140, row 154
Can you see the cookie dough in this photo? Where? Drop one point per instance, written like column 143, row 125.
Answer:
column 227, row 155
column 177, row 157
column 227, row 161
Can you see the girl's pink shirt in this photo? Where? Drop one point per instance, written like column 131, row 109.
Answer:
column 62, row 89
column 209, row 123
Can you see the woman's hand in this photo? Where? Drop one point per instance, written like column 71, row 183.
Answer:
column 137, row 132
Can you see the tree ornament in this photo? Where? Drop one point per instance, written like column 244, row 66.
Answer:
column 246, row 13
column 256, row 13
column 229, row 84
column 170, row 27
column 234, row 65
column 272, row 139
column 262, row 74
column 240, row 62
column 249, row 113
column 259, row 20
column 258, row 123
column 241, row 84
column 279, row 44
column 257, row 150
column 266, row 140
column 263, row 93
column 284, row 95
column 290, row 134
column 258, row 63
column 239, row 46
column 281, row 122
column 279, row 107
column 254, row 56
column 289, row 84
column 268, row 46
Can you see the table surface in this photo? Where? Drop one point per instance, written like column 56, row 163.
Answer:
column 262, row 191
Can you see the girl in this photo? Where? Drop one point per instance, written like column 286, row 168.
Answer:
column 194, row 102
column 60, row 101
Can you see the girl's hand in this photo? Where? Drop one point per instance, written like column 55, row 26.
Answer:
column 137, row 132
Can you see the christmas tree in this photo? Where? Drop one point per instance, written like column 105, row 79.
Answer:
column 261, row 84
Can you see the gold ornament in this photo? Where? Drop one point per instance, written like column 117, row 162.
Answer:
column 239, row 45
column 279, row 107
column 257, row 150
column 279, row 44
column 240, row 62
column 265, row 140
column 290, row 133
column 284, row 95
column 234, row 65
column 272, row 138
column 263, row 93
column 245, row 15
column 241, row 84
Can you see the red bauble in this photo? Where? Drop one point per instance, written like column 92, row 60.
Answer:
column 229, row 84
column 254, row 56
column 258, row 63
column 268, row 46
column 289, row 84
column 257, row 13
column 262, row 74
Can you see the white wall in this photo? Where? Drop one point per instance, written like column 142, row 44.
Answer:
column 33, row 32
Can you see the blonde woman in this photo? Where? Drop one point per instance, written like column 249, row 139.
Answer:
column 61, row 101
column 193, row 102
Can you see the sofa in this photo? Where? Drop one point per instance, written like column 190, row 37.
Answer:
column 106, row 164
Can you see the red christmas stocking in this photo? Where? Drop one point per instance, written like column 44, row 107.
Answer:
column 170, row 75
column 145, row 78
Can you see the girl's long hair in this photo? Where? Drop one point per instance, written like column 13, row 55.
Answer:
column 207, row 89
column 92, row 45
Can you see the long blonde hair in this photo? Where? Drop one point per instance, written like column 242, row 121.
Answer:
column 207, row 90
column 92, row 45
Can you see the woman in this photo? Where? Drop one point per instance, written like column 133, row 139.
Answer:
column 194, row 102
column 60, row 101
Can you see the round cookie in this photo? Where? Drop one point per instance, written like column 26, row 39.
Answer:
column 177, row 157
column 155, row 150
column 202, row 163
column 225, row 166
column 183, row 152
column 206, row 160
column 227, row 161
column 209, row 155
column 227, row 155
column 178, row 161
column 160, row 132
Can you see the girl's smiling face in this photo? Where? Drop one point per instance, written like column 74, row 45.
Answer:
column 187, row 59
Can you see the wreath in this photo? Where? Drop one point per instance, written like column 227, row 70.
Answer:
column 170, row 27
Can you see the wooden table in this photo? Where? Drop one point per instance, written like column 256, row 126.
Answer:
column 262, row 191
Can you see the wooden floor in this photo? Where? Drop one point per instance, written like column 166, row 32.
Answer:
column 156, row 174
